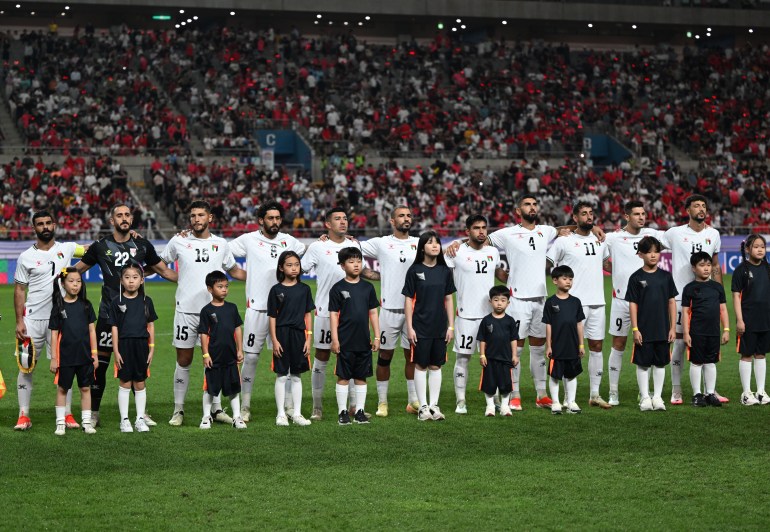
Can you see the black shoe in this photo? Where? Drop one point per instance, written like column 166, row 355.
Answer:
column 713, row 400
column 699, row 400
column 360, row 417
column 344, row 418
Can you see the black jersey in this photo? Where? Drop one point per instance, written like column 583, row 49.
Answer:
column 127, row 314
column 112, row 257
column 427, row 287
column 498, row 333
column 289, row 304
column 753, row 283
column 651, row 291
column 563, row 315
column 220, row 323
column 704, row 299
column 74, row 338
column 353, row 301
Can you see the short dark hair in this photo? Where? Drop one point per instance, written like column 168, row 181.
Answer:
column 217, row 276
column 351, row 252
column 698, row 257
column 692, row 199
column 631, row 205
column 332, row 211
column 41, row 214
column 271, row 205
column 581, row 205
column 474, row 218
column 117, row 206
column 647, row 243
column 200, row 204
column 562, row 271
column 521, row 198
column 499, row 290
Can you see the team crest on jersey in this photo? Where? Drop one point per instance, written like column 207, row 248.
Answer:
column 540, row 234
column 489, row 258
column 413, row 246
column 345, row 294
column 214, row 317
column 214, row 247
column 555, row 308
column 490, row 328
column 283, row 243
column 708, row 241
column 132, row 251
column 421, row 276
column 60, row 255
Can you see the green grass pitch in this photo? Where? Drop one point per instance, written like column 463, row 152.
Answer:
column 620, row 469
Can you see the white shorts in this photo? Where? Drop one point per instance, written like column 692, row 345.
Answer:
column 186, row 330
column 595, row 323
column 392, row 325
column 40, row 334
column 256, row 331
column 620, row 318
column 528, row 314
column 679, row 329
column 465, row 335
column 322, row 333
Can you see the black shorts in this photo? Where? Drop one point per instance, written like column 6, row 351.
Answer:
column 103, row 336
column 704, row 350
column 134, row 352
column 225, row 379
column 754, row 343
column 497, row 376
column 429, row 352
column 651, row 354
column 354, row 365
column 564, row 369
column 293, row 360
column 65, row 375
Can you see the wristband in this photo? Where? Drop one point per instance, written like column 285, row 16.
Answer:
column 308, row 333
column 152, row 345
column 450, row 328
column 726, row 329
column 206, row 355
column 483, row 356
column 94, row 351
column 634, row 329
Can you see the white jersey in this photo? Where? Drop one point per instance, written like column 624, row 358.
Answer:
column 323, row 257
column 261, row 255
column 37, row 269
column 585, row 255
column 683, row 242
column 625, row 261
column 525, row 251
column 474, row 275
column 395, row 255
column 196, row 258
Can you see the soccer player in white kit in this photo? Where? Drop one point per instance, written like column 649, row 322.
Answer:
column 623, row 261
column 36, row 270
column 261, row 249
column 473, row 269
column 395, row 253
column 197, row 254
column 683, row 241
column 584, row 253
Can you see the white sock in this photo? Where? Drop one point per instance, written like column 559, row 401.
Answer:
column 553, row 384
column 614, row 366
column 296, row 392
column 710, row 377
column 382, row 391
column 411, row 391
column 744, row 369
column 677, row 360
column 280, row 394
column 516, row 378
column 506, row 400
column 216, row 403
column 696, row 373
column 434, row 385
column 24, row 388
column 60, row 415
column 760, row 369
column 207, row 402
column 248, row 374
column 490, row 400
column 124, row 395
column 317, row 381
column 595, row 370
column 86, row 417
column 537, row 368
column 140, row 399
column 181, row 382
column 658, row 378
column 289, row 407
column 571, row 386
column 352, row 395
column 461, row 376
column 68, row 403
column 342, row 397
column 235, row 405
column 360, row 396
column 643, row 380
column 421, row 385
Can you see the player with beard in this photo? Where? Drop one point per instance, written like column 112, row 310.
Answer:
column 36, row 270
column 112, row 253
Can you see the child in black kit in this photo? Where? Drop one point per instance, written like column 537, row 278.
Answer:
column 289, row 304
column 222, row 345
